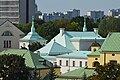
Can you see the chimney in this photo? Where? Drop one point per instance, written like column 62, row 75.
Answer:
column 96, row 30
column 62, row 31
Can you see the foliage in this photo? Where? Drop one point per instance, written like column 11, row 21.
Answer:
column 84, row 76
column 50, row 29
column 110, row 24
column 52, row 74
column 35, row 46
column 107, row 72
column 25, row 28
column 90, row 22
column 12, row 67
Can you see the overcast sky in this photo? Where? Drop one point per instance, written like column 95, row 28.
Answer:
column 49, row 6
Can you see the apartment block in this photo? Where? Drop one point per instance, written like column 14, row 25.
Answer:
column 59, row 15
column 95, row 14
column 17, row 11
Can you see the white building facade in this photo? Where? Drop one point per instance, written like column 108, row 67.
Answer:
column 72, row 61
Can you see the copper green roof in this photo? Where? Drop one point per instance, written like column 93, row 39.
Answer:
column 53, row 48
column 84, row 28
column 77, row 74
column 32, row 60
column 112, row 42
column 32, row 36
column 76, row 55
column 96, row 53
column 64, row 40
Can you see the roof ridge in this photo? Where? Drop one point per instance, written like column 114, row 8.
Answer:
column 51, row 47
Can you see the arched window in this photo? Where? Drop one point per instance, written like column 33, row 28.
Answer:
column 94, row 49
column 7, row 33
column 96, row 63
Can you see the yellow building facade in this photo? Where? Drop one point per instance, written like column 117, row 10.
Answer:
column 108, row 53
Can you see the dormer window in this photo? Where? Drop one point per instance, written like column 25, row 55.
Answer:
column 7, row 33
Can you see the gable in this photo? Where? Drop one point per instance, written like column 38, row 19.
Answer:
column 8, row 26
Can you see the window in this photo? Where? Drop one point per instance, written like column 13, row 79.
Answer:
column 66, row 62
column 60, row 62
column 7, row 33
column 94, row 49
column 113, row 62
column 96, row 63
column 73, row 63
column 96, row 58
column 113, row 54
column 86, row 63
column 7, row 43
column 80, row 63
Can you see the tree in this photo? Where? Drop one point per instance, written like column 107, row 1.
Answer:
column 35, row 46
column 110, row 24
column 106, row 72
column 90, row 22
column 12, row 67
column 52, row 74
column 84, row 76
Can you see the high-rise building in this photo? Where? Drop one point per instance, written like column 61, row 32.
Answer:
column 95, row 14
column 59, row 15
column 17, row 11
column 114, row 12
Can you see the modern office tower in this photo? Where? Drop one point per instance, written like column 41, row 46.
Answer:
column 95, row 14
column 17, row 11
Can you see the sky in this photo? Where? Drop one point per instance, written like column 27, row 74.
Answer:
column 49, row 6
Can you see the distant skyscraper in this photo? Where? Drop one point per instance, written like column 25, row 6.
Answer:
column 95, row 14
column 17, row 11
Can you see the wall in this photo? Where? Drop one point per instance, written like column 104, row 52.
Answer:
column 105, row 57
column 91, row 60
column 23, row 44
column 85, row 44
column 44, row 72
column 65, row 68
column 14, row 39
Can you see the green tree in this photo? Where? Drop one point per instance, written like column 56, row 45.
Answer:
column 25, row 28
column 52, row 74
column 106, row 72
column 84, row 76
column 109, row 25
column 12, row 67
column 90, row 22
column 35, row 46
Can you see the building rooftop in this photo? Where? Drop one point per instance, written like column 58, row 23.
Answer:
column 112, row 42
column 32, row 60
column 32, row 36
column 77, row 74
column 95, row 44
column 96, row 53
column 76, row 55
column 53, row 48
